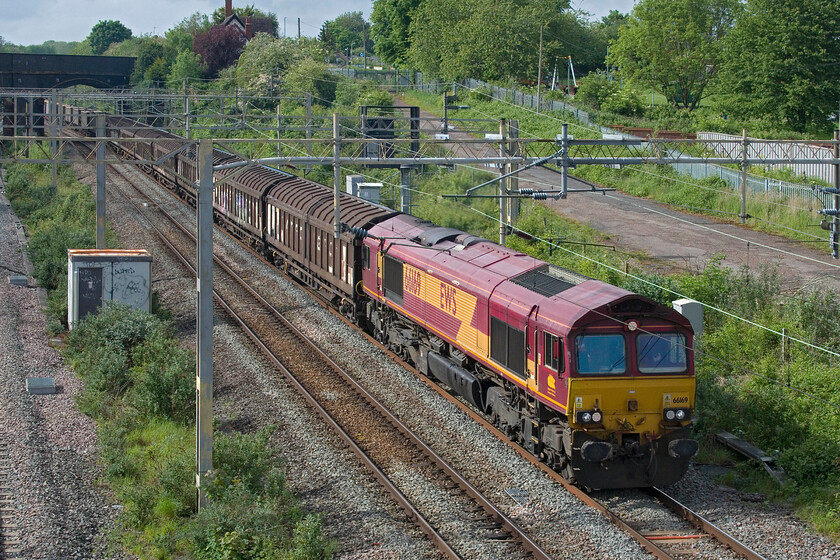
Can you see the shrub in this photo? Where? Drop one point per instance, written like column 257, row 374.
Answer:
column 625, row 101
column 164, row 378
column 595, row 89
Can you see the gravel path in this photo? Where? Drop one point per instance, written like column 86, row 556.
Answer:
column 58, row 506
column 65, row 513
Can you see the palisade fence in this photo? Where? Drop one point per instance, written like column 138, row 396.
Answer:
column 757, row 148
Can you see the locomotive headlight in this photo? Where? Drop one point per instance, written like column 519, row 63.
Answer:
column 676, row 414
column 586, row 417
column 597, row 416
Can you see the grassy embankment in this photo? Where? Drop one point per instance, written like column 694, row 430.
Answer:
column 140, row 388
column 746, row 381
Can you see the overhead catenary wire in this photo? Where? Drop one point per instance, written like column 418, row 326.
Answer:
column 813, row 346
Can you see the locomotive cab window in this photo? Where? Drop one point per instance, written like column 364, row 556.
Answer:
column 601, row 354
column 553, row 351
column 366, row 257
column 661, row 353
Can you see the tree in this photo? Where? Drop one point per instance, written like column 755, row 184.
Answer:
column 674, row 45
column 181, row 35
column 785, row 72
column 148, row 52
column 347, row 31
column 391, row 20
column 218, row 47
column 105, row 33
column 187, row 66
column 157, row 72
column 488, row 39
column 267, row 56
column 313, row 76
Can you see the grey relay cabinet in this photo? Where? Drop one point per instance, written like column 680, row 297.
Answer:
column 95, row 276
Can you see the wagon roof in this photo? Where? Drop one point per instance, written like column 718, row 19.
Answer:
column 318, row 202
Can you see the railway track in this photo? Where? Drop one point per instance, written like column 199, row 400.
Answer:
column 9, row 530
column 491, row 527
column 460, row 519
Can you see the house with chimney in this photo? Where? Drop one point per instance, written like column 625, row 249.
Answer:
column 251, row 25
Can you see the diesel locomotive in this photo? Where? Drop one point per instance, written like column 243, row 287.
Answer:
column 595, row 380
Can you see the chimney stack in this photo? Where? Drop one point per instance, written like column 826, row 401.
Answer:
column 228, row 8
column 249, row 28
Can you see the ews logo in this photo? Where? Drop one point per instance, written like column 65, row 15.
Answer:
column 412, row 281
column 447, row 299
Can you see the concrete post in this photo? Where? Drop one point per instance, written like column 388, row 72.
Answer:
column 835, row 224
column 336, row 175
column 405, row 188
column 502, row 185
column 279, row 133
column 52, row 114
column 308, row 128
column 204, row 326
column 743, row 214
column 513, row 180
column 564, row 169
column 100, row 182
column 186, row 113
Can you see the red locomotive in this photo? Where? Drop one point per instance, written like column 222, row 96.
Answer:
column 595, row 380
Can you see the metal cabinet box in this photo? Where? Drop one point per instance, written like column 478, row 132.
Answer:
column 95, row 276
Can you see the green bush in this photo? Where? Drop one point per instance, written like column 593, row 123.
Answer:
column 131, row 355
column 164, row 387
column 250, row 513
column 246, row 461
column 595, row 89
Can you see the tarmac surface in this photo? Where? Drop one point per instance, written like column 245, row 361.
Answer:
column 676, row 240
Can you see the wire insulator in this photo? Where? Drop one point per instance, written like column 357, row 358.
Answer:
column 540, row 195
column 526, row 192
column 830, row 212
column 357, row 231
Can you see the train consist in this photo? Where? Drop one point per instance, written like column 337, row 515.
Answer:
column 595, row 380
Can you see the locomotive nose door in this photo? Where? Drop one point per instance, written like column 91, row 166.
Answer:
column 551, row 365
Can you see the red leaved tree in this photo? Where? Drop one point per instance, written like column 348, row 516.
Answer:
column 219, row 47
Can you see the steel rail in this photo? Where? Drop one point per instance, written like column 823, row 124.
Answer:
column 526, row 542
column 647, row 543
column 704, row 524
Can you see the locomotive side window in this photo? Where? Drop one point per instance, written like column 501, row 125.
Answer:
column 366, row 257
column 393, row 279
column 601, row 354
column 661, row 353
column 554, row 353
column 507, row 346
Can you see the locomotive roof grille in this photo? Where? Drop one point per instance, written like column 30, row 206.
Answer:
column 435, row 235
column 548, row 280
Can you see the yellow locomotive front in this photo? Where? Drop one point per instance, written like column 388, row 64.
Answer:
column 630, row 404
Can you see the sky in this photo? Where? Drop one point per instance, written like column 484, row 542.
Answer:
column 34, row 21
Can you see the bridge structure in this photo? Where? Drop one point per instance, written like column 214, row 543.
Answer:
column 23, row 74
